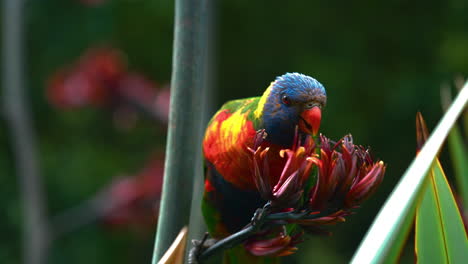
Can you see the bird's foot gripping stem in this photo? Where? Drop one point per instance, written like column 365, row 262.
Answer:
column 206, row 248
column 198, row 247
column 260, row 216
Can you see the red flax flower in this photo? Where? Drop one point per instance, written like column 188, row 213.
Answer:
column 92, row 80
column 319, row 185
column 100, row 78
column 347, row 175
column 289, row 189
column 133, row 200
column 279, row 245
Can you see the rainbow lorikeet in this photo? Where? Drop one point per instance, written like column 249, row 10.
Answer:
column 230, row 196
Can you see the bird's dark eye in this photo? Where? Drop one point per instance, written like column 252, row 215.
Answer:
column 286, row 100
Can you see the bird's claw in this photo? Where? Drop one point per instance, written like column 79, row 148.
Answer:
column 259, row 216
column 198, row 247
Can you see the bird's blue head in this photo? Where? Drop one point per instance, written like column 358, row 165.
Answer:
column 293, row 99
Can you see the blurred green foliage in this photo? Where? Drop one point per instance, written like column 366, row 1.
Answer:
column 380, row 62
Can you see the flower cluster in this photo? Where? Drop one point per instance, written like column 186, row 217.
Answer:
column 133, row 200
column 92, row 80
column 289, row 188
column 347, row 175
column 320, row 184
column 100, row 78
column 279, row 245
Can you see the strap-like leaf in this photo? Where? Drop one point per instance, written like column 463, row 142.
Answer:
column 440, row 233
column 459, row 157
column 383, row 233
column 456, row 145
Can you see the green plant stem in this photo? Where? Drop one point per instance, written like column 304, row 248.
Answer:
column 196, row 226
column 23, row 140
column 183, row 150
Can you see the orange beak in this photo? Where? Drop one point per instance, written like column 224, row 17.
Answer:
column 310, row 120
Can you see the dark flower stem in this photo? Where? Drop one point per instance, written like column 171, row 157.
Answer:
column 261, row 217
column 289, row 216
column 229, row 242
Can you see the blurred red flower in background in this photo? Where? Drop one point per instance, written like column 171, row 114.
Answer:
column 100, row 78
column 134, row 200
column 92, row 80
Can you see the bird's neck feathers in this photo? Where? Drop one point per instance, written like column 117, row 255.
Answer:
column 278, row 121
column 261, row 103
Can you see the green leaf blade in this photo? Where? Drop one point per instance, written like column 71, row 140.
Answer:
column 440, row 233
column 389, row 223
column 428, row 234
column 394, row 253
column 459, row 157
column 455, row 232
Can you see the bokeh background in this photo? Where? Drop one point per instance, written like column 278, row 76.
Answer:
column 380, row 62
